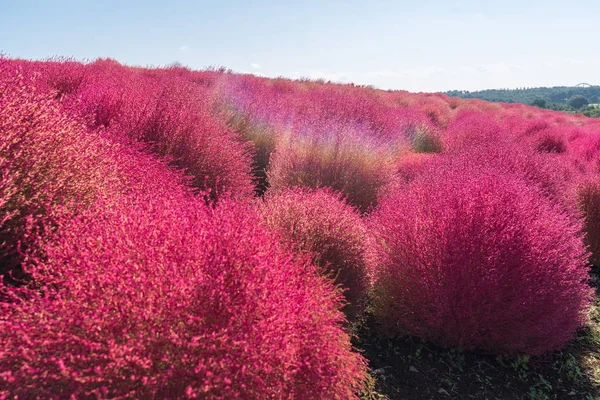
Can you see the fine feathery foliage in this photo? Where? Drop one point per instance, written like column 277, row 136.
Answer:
column 342, row 160
column 470, row 127
column 478, row 259
column 168, row 113
column 159, row 300
column 51, row 165
column 588, row 200
column 134, row 263
column 550, row 175
column 550, row 141
column 321, row 223
column 177, row 123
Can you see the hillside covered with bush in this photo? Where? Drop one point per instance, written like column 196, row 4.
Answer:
column 171, row 233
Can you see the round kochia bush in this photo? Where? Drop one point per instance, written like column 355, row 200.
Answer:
column 588, row 200
column 160, row 299
column 336, row 157
column 320, row 222
column 478, row 259
column 174, row 117
column 51, row 165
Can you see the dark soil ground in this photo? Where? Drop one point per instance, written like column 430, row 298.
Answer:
column 410, row 369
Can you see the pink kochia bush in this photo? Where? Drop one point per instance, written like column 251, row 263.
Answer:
column 550, row 141
column 588, row 200
column 550, row 174
column 339, row 158
column 321, row 223
column 51, row 166
column 174, row 117
column 168, row 113
column 171, row 299
column 38, row 148
column 478, row 259
column 470, row 127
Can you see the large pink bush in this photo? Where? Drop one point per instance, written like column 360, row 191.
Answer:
column 478, row 258
column 48, row 159
column 63, row 76
column 173, row 115
column 161, row 299
column 165, row 109
column 411, row 165
column 551, row 141
column 549, row 173
column 321, row 223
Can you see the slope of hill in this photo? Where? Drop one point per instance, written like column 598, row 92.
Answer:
column 170, row 233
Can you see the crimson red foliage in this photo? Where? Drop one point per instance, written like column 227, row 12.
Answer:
column 588, row 200
column 51, row 165
column 139, row 289
column 161, row 299
column 321, row 223
column 478, row 258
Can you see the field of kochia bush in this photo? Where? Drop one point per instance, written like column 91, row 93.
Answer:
column 168, row 233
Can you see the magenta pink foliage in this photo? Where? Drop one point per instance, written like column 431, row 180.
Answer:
column 51, row 165
column 588, row 199
column 119, row 281
column 477, row 258
column 472, row 127
column 177, row 123
column 141, row 290
column 549, row 173
column 165, row 109
column 62, row 76
column 412, row 165
column 321, row 223
column 337, row 158
column 158, row 298
column 551, row 141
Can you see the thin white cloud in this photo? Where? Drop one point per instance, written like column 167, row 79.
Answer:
column 255, row 65
column 183, row 48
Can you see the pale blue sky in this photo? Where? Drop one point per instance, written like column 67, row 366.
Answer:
column 413, row 45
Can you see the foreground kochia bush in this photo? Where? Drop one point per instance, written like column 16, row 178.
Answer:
column 158, row 300
column 478, row 259
column 320, row 222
